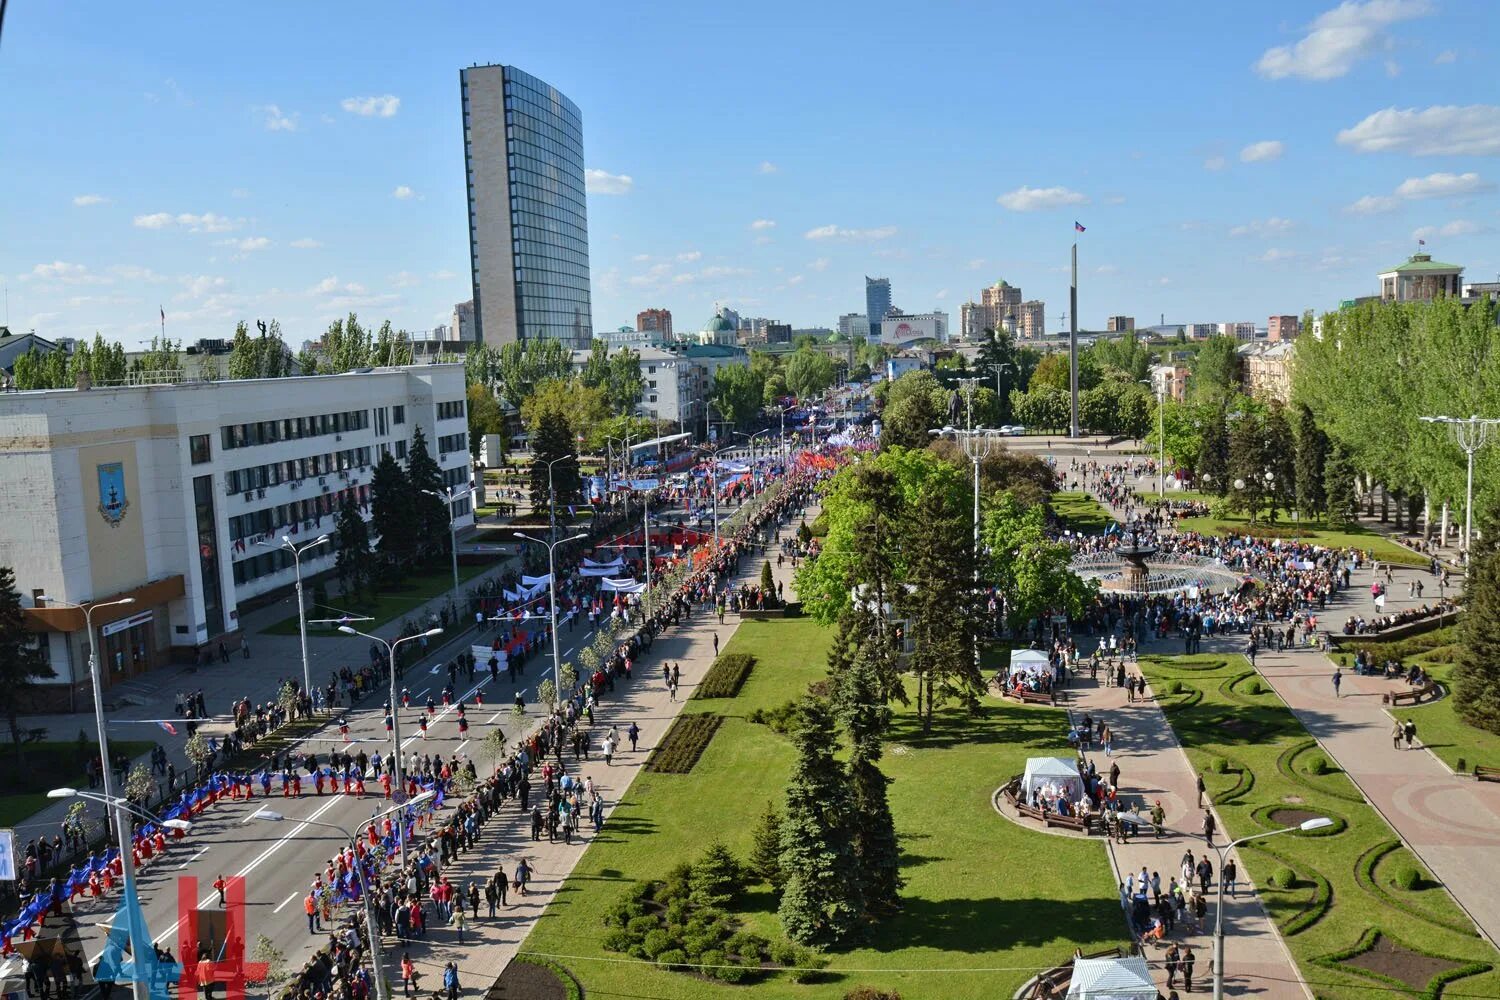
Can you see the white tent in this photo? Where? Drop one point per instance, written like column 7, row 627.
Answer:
column 1112, row 978
column 1029, row 661
column 1060, row 774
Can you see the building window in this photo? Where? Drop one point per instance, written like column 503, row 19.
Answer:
column 398, row 414
column 401, row 450
column 199, row 449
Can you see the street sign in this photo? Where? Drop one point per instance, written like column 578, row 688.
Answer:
column 7, row 855
column 398, row 796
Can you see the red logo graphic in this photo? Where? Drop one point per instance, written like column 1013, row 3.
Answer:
column 211, row 942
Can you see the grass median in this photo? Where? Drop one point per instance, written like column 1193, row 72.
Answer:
column 1379, row 546
column 981, row 892
column 1266, row 772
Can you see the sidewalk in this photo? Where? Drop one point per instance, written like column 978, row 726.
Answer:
column 490, row 945
column 1154, row 767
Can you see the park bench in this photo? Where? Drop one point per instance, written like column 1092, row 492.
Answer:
column 35, row 735
column 1413, row 696
column 1032, row 697
column 1483, row 773
column 1069, row 822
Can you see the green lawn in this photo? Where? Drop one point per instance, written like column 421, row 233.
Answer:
column 1378, row 545
column 981, row 892
column 1439, row 727
column 47, row 765
column 415, row 591
column 1080, row 511
column 1270, row 759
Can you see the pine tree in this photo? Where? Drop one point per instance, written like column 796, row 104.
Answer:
column 1213, row 455
column 553, row 441
column 1281, row 459
column 768, row 584
column 21, row 663
column 352, row 536
column 392, row 514
column 865, row 718
column 1247, row 463
column 1476, row 675
column 1312, row 453
column 426, row 478
column 1338, row 488
column 765, row 849
column 821, row 902
column 938, row 602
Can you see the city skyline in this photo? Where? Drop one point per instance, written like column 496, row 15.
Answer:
column 1315, row 146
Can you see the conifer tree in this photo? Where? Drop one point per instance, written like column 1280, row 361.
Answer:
column 765, row 849
column 821, row 902
column 431, row 532
column 1338, row 488
column 21, row 664
column 865, row 718
column 352, row 536
column 392, row 515
column 1312, row 453
column 551, row 441
column 1476, row 689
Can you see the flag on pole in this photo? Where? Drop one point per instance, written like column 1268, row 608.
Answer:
column 171, row 729
column 1421, row 243
column 1078, row 225
column 163, row 312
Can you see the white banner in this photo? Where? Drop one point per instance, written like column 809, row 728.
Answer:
column 7, row 856
column 482, row 656
column 624, row 585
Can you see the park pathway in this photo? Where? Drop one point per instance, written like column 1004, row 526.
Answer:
column 1153, row 767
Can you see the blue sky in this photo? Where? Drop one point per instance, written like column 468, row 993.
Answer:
column 298, row 161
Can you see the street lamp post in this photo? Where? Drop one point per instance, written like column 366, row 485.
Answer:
column 74, row 793
column 552, row 600
column 296, row 551
column 1319, row 823
column 382, row 988
column 448, row 497
column 396, row 779
column 976, row 444
column 1471, row 433
column 116, row 814
column 1161, row 437
column 750, row 439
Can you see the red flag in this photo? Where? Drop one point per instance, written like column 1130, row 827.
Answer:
column 1078, row 225
column 171, row 729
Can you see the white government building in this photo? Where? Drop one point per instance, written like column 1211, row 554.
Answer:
column 165, row 493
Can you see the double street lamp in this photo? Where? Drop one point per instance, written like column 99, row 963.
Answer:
column 382, row 989
column 552, row 600
column 296, row 551
column 1471, row 433
column 977, row 442
column 390, row 648
column 1307, row 826
column 448, row 496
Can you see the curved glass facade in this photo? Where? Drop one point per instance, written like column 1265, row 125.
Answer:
column 535, row 238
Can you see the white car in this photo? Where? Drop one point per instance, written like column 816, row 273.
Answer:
column 1013, row 430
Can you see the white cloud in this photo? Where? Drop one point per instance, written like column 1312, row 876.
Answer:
column 444, row 275
column 1106, row 269
column 1277, row 254
column 404, row 279
column 1441, row 130
column 767, row 167
column 761, row 224
column 59, row 269
column 641, row 258
column 197, row 286
column 1444, row 58
column 761, row 241
column 1339, row 38
column 332, row 286
column 276, row 120
column 384, row 106
column 208, row 222
column 250, row 243
column 403, row 192
column 832, row 232
column 941, row 293
column 1263, row 151
column 604, row 182
column 85, row 200
column 1030, row 199
column 1373, row 204
column 134, row 272
column 1263, row 227
column 687, row 257
column 723, row 272
column 1442, row 185
column 821, row 264
column 1458, row 227
column 795, row 279
column 306, row 243
column 1392, row 68
column 1215, row 163
column 974, row 264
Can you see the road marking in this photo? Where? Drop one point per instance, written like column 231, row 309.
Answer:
column 568, row 652
column 195, row 857
column 460, row 746
column 492, row 718
column 423, row 691
column 286, row 901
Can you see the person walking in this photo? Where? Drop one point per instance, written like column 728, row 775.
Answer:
column 634, row 732
column 1338, row 678
column 1230, row 874
column 219, row 884
column 460, row 921
column 1209, row 825
column 1187, row 962
column 474, row 899
column 501, row 884
column 1202, row 789
column 491, row 897
column 1397, row 732
column 310, row 905
column 1409, row 731
column 450, row 980
column 716, row 644
column 1158, row 818
column 1172, row 958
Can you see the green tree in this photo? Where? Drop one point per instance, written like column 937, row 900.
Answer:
column 1338, row 488
column 1281, row 459
column 485, row 417
column 1216, row 368
column 550, row 442
column 1128, row 355
column 391, row 348
column 521, row 366
column 768, row 584
column 736, row 394
column 938, row 602
column 104, row 360
column 352, row 536
column 266, row 356
column 865, row 718
column 913, row 405
column 1043, row 408
column 581, row 408
column 424, row 478
column 1247, row 464
column 1312, row 453
column 393, row 515
column 1476, row 675
column 765, row 849
column 1213, row 453
column 346, row 346
column 164, row 356
column 21, row 661
column 820, row 902
column 809, row 372
column 1033, row 573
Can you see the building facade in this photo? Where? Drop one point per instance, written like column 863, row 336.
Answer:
column 1119, row 324
column 1239, row 331
column 1267, row 370
column 1200, row 331
column 1420, row 279
column 528, row 212
column 1031, row 319
column 179, row 496
column 1000, row 308
column 900, row 329
column 655, row 321
column 1283, row 328
column 853, row 325
column 877, row 302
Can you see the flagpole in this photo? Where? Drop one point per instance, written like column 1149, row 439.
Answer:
column 1073, row 346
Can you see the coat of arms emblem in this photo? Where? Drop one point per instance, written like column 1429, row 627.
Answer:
column 113, row 503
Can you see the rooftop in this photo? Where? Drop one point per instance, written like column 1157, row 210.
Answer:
column 1421, row 262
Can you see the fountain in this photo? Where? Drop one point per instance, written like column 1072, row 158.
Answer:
column 1124, row 570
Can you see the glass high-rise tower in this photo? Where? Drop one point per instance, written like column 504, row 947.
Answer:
column 528, row 214
column 877, row 302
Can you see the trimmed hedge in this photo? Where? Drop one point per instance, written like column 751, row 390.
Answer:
column 727, row 675
column 1365, row 878
column 1339, row 960
column 778, row 718
column 684, row 743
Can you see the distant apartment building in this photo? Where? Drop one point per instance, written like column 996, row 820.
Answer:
column 1119, row 324
column 628, row 337
column 1031, row 319
column 655, row 321
column 778, row 333
column 999, row 308
column 853, row 325
column 462, row 327
column 1239, row 331
column 1420, row 279
column 1267, row 370
column 1199, row 331
column 1170, row 379
column 1283, row 328
column 877, row 302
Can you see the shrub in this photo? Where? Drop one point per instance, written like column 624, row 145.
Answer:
column 731, row 973
column 711, row 956
column 616, row 940
column 671, row 957
column 1174, row 687
column 809, row 966
column 1463, row 765
column 1406, row 876
column 717, row 876
column 640, row 926
column 1317, row 764
column 1283, row 878
column 677, row 911
column 749, row 947
column 1253, row 686
column 784, row 952
column 871, row 993
column 778, row 719
column 656, row 942
column 1220, row 766
column 684, row 743
column 727, row 675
